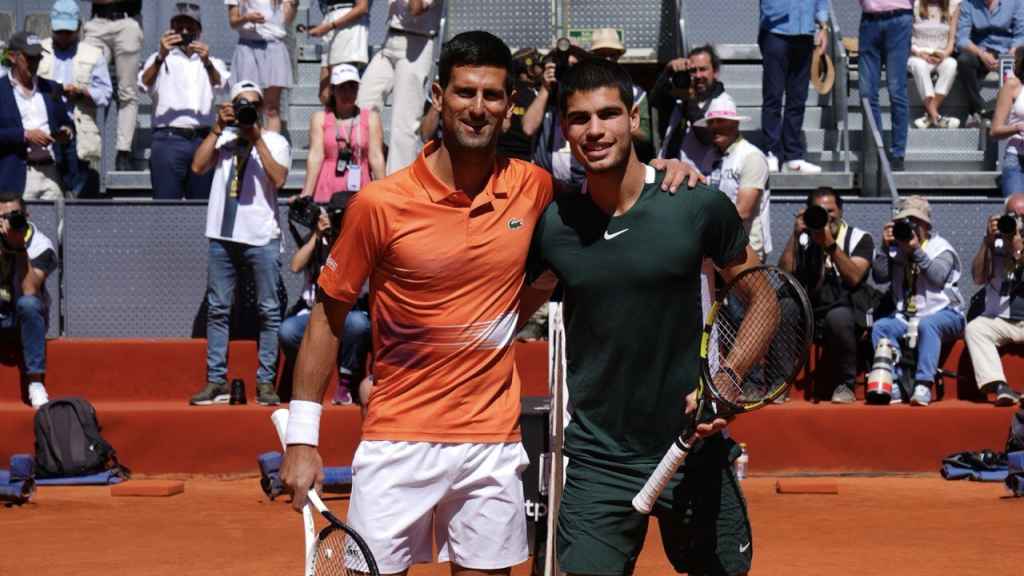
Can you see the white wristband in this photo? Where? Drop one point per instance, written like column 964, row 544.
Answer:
column 303, row 423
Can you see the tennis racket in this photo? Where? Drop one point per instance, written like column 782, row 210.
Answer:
column 336, row 550
column 755, row 340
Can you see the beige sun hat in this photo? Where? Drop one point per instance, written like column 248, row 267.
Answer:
column 917, row 207
column 606, row 39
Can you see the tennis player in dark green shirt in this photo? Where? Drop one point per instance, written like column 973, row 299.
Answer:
column 629, row 258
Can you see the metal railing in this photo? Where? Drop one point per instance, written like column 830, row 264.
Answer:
column 875, row 172
column 840, row 91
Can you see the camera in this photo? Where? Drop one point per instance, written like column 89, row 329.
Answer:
column 815, row 217
column 186, row 38
column 681, row 80
column 344, row 159
column 1008, row 224
column 16, row 220
column 562, row 50
column 903, row 229
column 304, row 211
column 246, row 113
column 335, row 209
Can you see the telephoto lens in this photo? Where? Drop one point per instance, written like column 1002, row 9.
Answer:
column 903, row 230
column 245, row 112
column 1007, row 224
column 815, row 217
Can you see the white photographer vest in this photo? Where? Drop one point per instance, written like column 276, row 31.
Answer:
column 90, row 147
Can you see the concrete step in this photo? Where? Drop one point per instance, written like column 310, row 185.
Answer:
column 782, row 181
column 141, row 180
column 923, row 177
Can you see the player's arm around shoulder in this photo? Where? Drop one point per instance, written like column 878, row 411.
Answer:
column 676, row 173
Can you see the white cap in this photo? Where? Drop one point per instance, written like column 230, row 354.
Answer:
column 344, row 73
column 722, row 107
column 245, row 86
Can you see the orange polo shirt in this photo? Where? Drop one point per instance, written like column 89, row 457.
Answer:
column 446, row 272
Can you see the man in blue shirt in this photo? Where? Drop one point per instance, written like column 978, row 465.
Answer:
column 788, row 33
column 987, row 30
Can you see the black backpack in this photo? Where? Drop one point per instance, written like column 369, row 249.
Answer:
column 68, row 441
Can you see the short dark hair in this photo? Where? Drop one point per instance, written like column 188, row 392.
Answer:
column 708, row 49
column 6, row 197
column 475, row 48
column 821, row 192
column 593, row 74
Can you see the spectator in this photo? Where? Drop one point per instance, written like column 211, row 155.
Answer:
column 114, row 28
column 345, row 33
column 33, row 122
column 82, row 70
column 683, row 94
column 931, row 49
column 986, row 30
column 606, row 44
column 346, row 143
column 542, row 119
column 1008, row 123
column 924, row 269
column 831, row 259
column 997, row 266
column 261, row 54
column 241, row 223
column 309, row 260
column 787, row 38
column 527, row 70
column 184, row 82
column 741, row 171
column 885, row 31
column 402, row 67
column 28, row 257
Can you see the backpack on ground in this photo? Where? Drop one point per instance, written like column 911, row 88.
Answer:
column 68, row 441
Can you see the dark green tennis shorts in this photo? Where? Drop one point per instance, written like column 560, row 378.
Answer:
column 702, row 516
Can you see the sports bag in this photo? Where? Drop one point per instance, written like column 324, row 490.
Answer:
column 68, row 441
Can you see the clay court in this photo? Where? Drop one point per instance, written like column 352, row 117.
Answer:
column 879, row 525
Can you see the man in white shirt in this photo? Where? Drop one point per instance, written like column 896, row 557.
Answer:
column 402, row 67
column 184, row 82
column 241, row 223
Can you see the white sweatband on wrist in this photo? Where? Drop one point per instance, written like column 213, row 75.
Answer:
column 303, row 423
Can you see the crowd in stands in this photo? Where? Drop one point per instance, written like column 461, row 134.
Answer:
column 218, row 133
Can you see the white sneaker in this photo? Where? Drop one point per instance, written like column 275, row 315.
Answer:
column 803, row 167
column 924, row 122
column 949, row 122
column 37, row 395
column 773, row 163
column 922, row 396
column 897, row 396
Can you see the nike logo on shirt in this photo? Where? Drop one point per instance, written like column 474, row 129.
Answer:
column 608, row 236
column 744, row 547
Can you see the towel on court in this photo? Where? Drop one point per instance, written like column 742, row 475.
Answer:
column 17, row 493
column 99, row 479
column 1015, row 472
column 337, row 479
column 983, row 466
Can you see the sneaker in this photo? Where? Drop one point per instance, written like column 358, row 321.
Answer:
column 843, row 394
column 897, row 394
column 266, row 395
column 922, row 395
column 948, row 122
column 974, row 121
column 37, row 395
column 802, row 167
column 1005, row 396
column 213, row 393
column 123, row 161
column 773, row 163
column 896, row 163
column 342, row 394
column 923, row 123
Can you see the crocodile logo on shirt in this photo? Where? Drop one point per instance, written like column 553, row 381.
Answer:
column 515, row 224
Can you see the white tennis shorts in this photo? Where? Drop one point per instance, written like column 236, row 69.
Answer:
column 469, row 497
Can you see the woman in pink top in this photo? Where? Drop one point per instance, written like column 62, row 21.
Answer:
column 346, row 144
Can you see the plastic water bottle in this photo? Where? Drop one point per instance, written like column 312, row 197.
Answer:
column 740, row 465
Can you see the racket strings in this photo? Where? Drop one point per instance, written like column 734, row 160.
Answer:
column 338, row 554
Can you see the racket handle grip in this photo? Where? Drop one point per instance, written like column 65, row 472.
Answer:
column 644, row 501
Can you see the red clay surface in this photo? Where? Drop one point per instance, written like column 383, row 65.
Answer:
column 901, row 525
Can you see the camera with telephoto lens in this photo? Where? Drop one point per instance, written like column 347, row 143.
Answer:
column 562, row 50
column 815, row 217
column 1008, row 224
column 335, row 209
column 681, row 80
column 304, row 211
column 246, row 113
column 16, row 220
column 903, row 229
column 186, row 38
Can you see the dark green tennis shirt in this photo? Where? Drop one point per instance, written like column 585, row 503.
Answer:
column 632, row 312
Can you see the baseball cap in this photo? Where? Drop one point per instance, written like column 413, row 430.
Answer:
column 64, row 16
column 344, row 73
column 26, row 43
column 245, row 86
column 188, row 10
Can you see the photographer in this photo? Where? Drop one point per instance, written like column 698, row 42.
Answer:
column 325, row 225
column 241, row 223
column 831, row 259
column 924, row 269
column 997, row 266
column 682, row 96
column 28, row 258
column 184, row 81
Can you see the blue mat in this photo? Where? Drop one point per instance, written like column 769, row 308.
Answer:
column 23, row 468
column 337, row 479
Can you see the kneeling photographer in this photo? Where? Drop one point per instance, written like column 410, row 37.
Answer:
column 924, row 270
column 831, row 259
column 682, row 96
column 997, row 267
column 27, row 257
column 324, row 225
column 241, row 224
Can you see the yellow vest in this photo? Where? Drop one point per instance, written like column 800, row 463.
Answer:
column 89, row 144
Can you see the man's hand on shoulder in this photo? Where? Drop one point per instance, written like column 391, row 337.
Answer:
column 677, row 172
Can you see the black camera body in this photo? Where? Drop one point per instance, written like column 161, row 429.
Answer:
column 815, row 217
column 304, row 211
column 16, row 220
column 246, row 112
column 903, row 229
column 186, row 39
column 681, row 80
column 1009, row 224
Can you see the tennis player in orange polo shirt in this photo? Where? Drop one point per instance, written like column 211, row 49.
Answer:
column 444, row 245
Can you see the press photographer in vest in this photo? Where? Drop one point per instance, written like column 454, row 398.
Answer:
column 82, row 70
column 924, row 270
column 241, row 223
column 999, row 267
column 831, row 259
